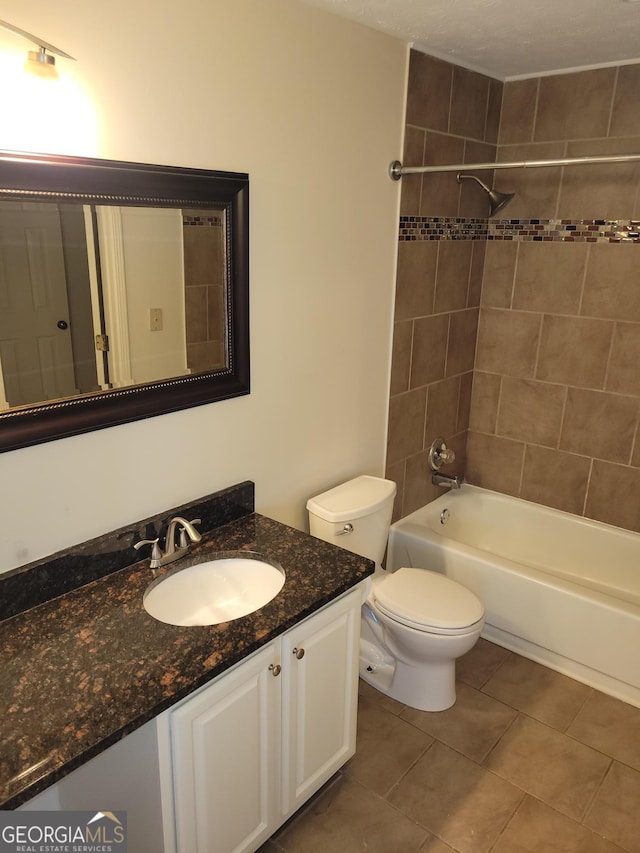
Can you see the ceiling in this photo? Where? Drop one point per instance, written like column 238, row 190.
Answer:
column 507, row 39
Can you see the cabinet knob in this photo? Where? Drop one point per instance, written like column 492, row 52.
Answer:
column 299, row 653
column 276, row 669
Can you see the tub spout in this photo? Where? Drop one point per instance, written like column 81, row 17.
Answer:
column 448, row 481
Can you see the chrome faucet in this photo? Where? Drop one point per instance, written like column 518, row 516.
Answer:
column 440, row 454
column 449, row 481
column 188, row 534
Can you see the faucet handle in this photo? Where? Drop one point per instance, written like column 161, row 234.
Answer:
column 156, row 553
column 440, row 454
column 194, row 534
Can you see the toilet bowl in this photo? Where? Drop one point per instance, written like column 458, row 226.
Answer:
column 415, row 622
column 425, row 621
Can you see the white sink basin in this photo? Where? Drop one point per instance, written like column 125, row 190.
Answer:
column 218, row 590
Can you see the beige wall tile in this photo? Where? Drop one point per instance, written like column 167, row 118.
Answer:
column 574, row 351
column 418, row 489
column 485, row 397
column 530, row 411
column 473, row 199
column 599, row 425
column 574, row 106
column 494, row 463
column 469, row 100
column 464, row 401
column 442, row 409
column 474, row 295
column 494, row 110
column 518, row 111
column 555, row 479
column 507, row 342
column 558, row 320
column 457, row 443
column 196, row 313
column 441, row 191
column 549, row 277
column 603, row 190
column 429, row 349
column 429, row 91
column 463, row 332
column 614, row 495
column 401, row 357
column 406, row 424
column 625, row 115
column 452, row 275
column 611, row 284
column 416, row 279
column 499, row 272
column 623, row 374
column 536, row 190
column 411, row 185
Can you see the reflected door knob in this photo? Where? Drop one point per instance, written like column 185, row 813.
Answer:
column 62, row 324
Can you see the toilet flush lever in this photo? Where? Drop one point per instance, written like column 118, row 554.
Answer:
column 348, row 528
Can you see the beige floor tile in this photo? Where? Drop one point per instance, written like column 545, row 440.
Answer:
column 537, row 828
column 472, row 726
column 558, row 770
column 478, row 665
column 548, row 696
column 386, row 747
column 366, row 691
column 456, row 800
column 611, row 726
column 434, row 845
column 349, row 819
column 615, row 812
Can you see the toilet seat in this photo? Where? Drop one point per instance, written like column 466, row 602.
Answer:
column 428, row 601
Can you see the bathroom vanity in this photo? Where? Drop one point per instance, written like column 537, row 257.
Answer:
column 209, row 736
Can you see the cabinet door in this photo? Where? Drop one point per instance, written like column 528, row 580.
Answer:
column 225, row 754
column 320, row 696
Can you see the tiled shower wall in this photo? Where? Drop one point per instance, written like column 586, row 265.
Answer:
column 452, row 117
column 555, row 403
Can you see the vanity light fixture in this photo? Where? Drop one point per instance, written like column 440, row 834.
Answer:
column 40, row 62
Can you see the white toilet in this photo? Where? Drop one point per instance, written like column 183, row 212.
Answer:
column 415, row 622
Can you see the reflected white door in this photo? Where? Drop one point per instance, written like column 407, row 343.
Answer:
column 35, row 340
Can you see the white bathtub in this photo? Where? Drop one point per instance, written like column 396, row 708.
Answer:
column 559, row 589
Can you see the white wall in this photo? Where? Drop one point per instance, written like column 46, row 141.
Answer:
column 312, row 107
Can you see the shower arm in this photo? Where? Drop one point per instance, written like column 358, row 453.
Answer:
column 397, row 170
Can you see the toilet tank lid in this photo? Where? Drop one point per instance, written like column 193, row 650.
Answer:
column 354, row 499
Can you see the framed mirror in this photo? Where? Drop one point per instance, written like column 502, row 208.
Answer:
column 124, row 293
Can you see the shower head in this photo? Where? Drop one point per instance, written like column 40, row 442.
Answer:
column 497, row 200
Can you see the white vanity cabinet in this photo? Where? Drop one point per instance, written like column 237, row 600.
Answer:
column 249, row 749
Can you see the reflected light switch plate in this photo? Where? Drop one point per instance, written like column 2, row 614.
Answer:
column 155, row 319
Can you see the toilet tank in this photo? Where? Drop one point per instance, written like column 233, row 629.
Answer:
column 355, row 515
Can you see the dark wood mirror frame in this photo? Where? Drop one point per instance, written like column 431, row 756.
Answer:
column 39, row 177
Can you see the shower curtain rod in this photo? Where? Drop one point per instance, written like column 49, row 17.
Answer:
column 397, row 170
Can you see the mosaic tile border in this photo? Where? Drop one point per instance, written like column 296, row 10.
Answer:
column 525, row 230
column 212, row 220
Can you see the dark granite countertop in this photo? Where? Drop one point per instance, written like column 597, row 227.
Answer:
column 81, row 671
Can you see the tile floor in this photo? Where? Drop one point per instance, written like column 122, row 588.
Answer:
column 527, row 761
